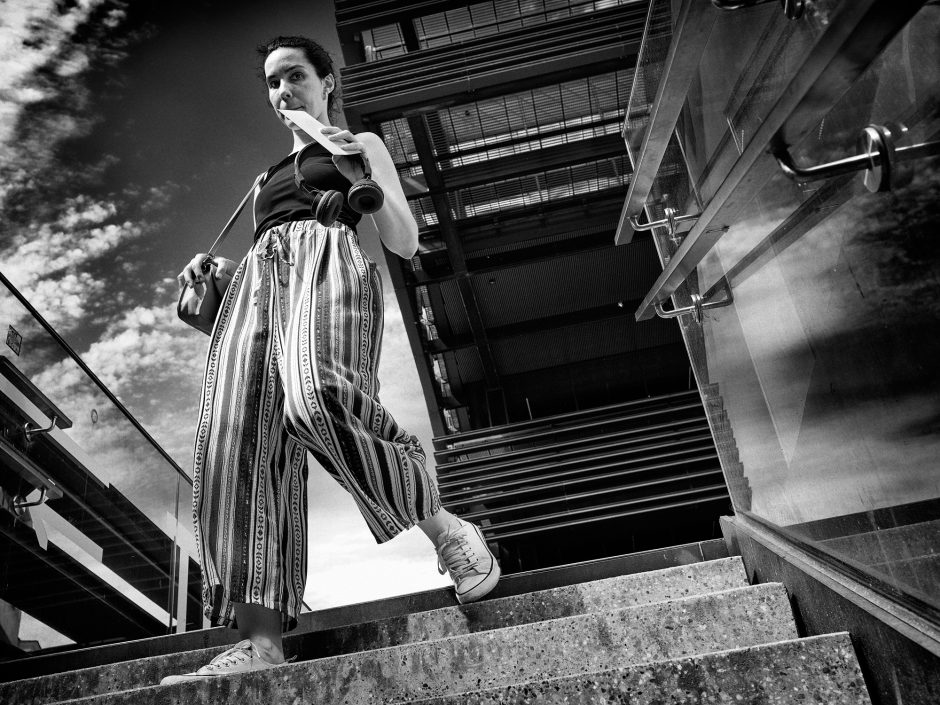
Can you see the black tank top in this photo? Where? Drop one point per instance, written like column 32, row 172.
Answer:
column 280, row 201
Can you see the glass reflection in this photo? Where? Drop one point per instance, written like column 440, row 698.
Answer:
column 89, row 510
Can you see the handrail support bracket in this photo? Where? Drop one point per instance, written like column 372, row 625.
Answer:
column 718, row 296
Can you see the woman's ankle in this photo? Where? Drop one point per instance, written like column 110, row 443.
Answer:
column 437, row 524
column 262, row 626
column 268, row 649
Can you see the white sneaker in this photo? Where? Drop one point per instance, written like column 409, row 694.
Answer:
column 471, row 565
column 241, row 658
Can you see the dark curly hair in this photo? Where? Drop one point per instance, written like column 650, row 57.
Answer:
column 318, row 57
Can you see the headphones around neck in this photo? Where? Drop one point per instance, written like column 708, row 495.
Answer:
column 365, row 195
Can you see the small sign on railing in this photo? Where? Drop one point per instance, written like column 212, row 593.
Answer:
column 14, row 340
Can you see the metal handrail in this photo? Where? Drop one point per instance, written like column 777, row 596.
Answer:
column 839, row 562
column 53, row 491
column 879, row 153
column 21, row 504
column 793, row 9
column 31, row 430
column 35, row 476
column 690, row 36
column 668, row 222
column 859, row 30
column 718, row 296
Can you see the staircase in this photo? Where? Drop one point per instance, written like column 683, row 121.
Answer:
column 689, row 633
column 627, row 470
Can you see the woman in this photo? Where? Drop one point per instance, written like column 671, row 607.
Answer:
column 291, row 369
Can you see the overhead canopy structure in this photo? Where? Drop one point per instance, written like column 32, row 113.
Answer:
column 564, row 428
column 505, row 120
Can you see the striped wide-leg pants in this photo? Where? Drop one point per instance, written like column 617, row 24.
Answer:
column 292, row 368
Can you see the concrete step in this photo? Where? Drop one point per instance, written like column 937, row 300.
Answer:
column 731, row 619
column 820, row 669
column 583, row 598
column 385, row 608
column 596, row 596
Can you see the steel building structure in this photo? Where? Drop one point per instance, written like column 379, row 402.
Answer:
column 563, row 426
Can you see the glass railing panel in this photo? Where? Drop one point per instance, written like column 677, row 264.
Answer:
column 657, row 36
column 751, row 56
column 187, row 593
column 674, row 38
column 672, row 185
column 853, row 35
column 825, row 364
column 91, row 508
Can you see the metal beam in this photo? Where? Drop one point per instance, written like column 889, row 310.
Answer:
column 410, row 319
column 527, row 256
column 586, row 222
column 559, row 215
column 408, row 34
column 502, row 141
column 431, row 78
column 536, row 325
column 531, row 161
column 489, row 170
column 357, row 15
column 425, row 149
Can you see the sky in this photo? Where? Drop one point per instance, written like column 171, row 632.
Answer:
column 128, row 132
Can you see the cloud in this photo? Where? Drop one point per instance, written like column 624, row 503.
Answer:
column 67, row 250
column 48, row 49
column 50, row 261
column 57, row 239
column 148, row 359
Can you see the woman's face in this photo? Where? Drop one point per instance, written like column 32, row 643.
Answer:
column 293, row 84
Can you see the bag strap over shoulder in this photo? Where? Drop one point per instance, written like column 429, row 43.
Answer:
column 231, row 221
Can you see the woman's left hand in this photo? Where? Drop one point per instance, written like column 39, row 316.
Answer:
column 352, row 167
column 394, row 220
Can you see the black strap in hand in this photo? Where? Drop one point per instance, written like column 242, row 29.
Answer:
column 231, row 221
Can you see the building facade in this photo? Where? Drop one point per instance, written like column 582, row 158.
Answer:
column 564, row 427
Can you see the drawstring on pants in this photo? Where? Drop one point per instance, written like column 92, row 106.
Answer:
column 275, row 246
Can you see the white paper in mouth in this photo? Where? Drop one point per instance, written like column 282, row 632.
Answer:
column 309, row 124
